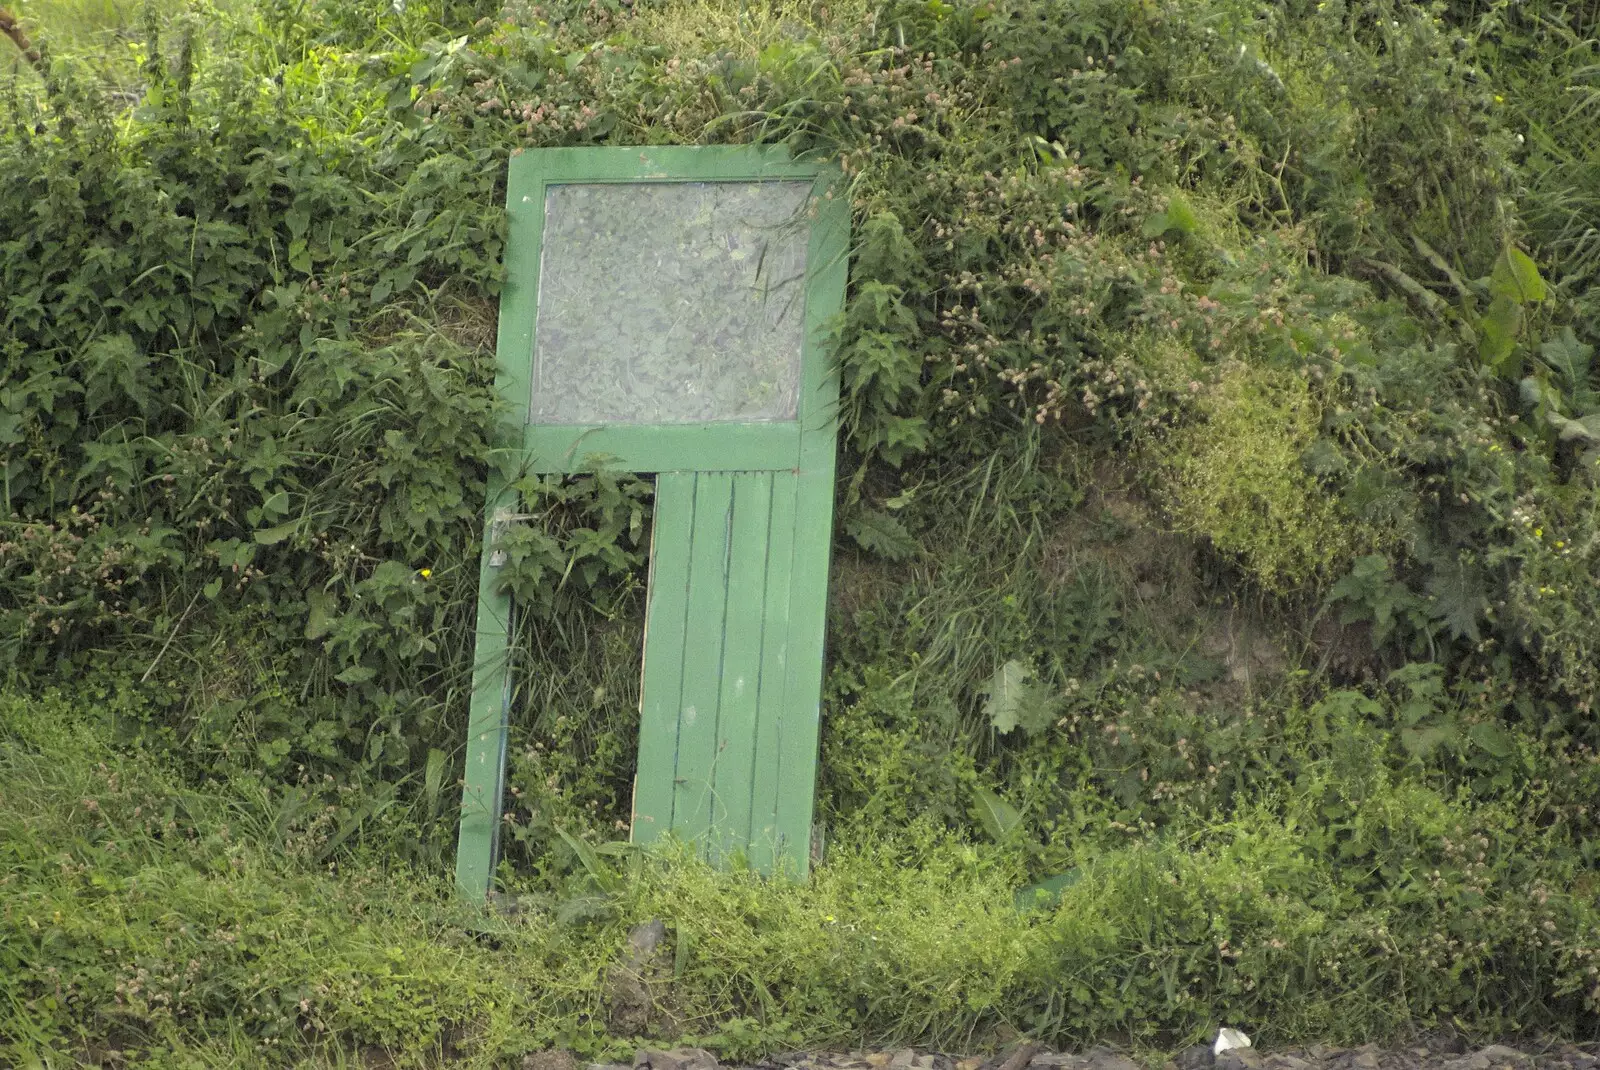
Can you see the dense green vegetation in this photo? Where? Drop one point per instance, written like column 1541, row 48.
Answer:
column 1218, row 526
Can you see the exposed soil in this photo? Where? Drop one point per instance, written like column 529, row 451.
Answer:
column 1448, row 1053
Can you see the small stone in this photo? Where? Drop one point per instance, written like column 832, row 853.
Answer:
column 1107, row 1059
column 923, row 1062
column 676, row 1059
column 1239, row 1059
column 554, row 1059
column 903, row 1059
column 1365, row 1060
column 1053, row 1061
column 971, row 1063
column 644, row 939
column 1286, row 1062
column 878, row 1058
column 1499, row 1055
column 1196, row 1057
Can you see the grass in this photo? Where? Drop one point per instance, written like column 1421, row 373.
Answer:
column 190, row 925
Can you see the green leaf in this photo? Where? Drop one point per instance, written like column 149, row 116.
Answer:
column 1421, row 743
column 1492, row 739
column 298, row 220
column 433, row 779
column 1568, row 357
column 1516, row 277
column 1015, row 700
column 1459, row 598
column 1048, row 891
column 269, row 536
column 1586, row 428
column 324, row 611
column 997, row 816
column 879, row 533
column 213, row 588
column 1498, row 335
column 356, row 674
column 1178, row 216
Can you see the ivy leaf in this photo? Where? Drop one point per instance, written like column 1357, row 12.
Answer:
column 997, row 816
column 1016, row 700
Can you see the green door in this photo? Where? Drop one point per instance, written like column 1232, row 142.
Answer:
column 665, row 309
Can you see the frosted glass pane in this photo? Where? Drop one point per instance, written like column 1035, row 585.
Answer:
column 670, row 302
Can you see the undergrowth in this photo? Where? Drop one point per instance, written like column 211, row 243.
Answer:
column 1217, row 527
column 1355, row 896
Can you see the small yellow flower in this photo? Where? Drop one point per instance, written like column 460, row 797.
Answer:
column 1538, row 533
column 1498, row 99
column 1560, row 543
column 425, row 573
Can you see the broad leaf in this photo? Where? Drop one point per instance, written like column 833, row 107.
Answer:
column 1421, row 743
column 1498, row 335
column 997, row 816
column 1492, row 739
column 1568, row 358
column 1517, row 278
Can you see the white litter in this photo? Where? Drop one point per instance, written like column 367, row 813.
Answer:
column 1228, row 1039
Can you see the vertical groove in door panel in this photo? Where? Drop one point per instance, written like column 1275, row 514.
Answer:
column 665, row 620
column 775, row 638
column 702, row 654
column 741, row 664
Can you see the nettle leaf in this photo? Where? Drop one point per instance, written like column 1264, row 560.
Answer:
column 1422, row 743
column 1492, row 739
column 997, row 816
column 879, row 533
column 1015, row 700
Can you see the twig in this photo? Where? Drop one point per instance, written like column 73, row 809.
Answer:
column 162, row 653
column 13, row 29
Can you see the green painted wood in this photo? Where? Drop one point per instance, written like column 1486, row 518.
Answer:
column 665, row 630
column 486, row 721
column 739, row 555
column 743, row 621
column 762, row 849
column 684, row 447
column 702, row 654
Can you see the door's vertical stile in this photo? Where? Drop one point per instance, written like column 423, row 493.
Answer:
column 702, row 655
column 808, row 601
column 487, row 717
column 741, row 665
column 666, row 619
column 775, row 636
